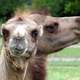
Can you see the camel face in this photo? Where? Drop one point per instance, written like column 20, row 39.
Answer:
column 59, row 33
column 20, row 36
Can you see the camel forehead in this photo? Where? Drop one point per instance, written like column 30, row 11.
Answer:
column 25, row 23
column 19, row 30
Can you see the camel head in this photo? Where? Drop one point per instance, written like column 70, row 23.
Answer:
column 20, row 36
column 58, row 32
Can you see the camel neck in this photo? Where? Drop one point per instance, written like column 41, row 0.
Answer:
column 14, row 70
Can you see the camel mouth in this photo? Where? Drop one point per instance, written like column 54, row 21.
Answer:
column 66, row 44
column 77, row 32
column 17, row 51
column 20, row 53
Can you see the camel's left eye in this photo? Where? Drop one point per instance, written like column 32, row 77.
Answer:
column 34, row 33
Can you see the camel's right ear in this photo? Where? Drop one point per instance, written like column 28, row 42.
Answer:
column 5, row 32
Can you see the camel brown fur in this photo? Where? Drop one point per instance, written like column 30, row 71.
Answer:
column 58, row 32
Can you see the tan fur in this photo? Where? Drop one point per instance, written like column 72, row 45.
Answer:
column 16, row 67
column 11, row 71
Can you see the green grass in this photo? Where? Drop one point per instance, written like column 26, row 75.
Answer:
column 68, row 52
column 63, row 72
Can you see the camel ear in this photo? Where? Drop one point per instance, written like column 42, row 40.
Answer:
column 5, row 32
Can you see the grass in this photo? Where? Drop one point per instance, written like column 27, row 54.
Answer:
column 68, row 52
column 63, row 72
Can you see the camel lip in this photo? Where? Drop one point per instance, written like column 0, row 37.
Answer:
column 77, row 32
column 17, row 53
column 67, row 45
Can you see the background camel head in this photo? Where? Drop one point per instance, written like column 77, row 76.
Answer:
column 58, row 32
column 20, row 36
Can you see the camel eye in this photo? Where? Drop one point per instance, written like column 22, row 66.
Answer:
column 34, row 33
column 51, row 28
column 5, row 33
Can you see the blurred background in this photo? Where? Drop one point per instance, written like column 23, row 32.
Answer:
column 54, row 7
column 63, row 65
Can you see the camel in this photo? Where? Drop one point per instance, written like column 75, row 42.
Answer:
column 20, row 38
column 27, row 42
